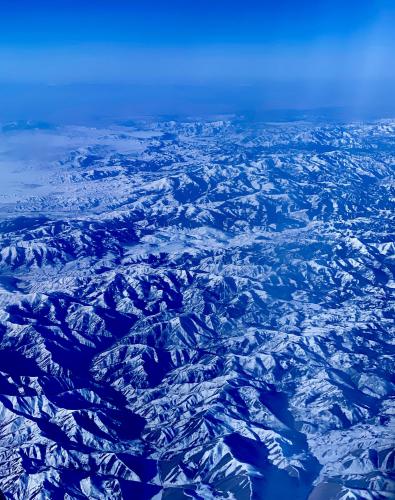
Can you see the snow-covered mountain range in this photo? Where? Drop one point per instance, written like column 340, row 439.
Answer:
column 197, row 309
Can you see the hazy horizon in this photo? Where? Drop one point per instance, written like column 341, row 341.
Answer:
column 78, row 61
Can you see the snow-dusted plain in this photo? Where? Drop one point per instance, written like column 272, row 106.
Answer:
column 197, row 309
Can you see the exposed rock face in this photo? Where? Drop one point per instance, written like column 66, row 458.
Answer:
column 201, row 310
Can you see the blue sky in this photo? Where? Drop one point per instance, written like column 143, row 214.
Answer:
column 320, row 45
column 179, row 23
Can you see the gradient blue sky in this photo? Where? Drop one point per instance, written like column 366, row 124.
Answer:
column 320, row 45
